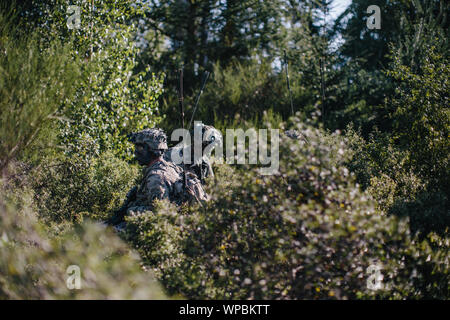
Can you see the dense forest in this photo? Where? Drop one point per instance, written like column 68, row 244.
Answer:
column 364, row 193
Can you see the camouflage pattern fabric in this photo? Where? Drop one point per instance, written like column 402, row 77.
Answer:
column 193, row 190
column 158, row 182
column 164, row 180
column 293, row 134
column 202, row 168
column 155, row 138
column 296, row 135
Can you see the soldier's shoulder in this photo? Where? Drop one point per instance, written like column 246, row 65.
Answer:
column 159, row 165
column 166, row 165
column 163, row 168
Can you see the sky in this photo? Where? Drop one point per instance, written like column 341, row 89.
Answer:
column 338, row 6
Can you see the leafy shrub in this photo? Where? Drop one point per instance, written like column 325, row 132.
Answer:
column 115, row 98
column 421, row 105
column 406, row 170
column 33, row 266
column 307, row 232
column 399, row 188
column 70, row 188
column 34, row 82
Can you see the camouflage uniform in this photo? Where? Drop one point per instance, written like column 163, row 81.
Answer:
column 202, row 167
column 160, row 180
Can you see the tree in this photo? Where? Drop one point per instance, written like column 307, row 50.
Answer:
column 114, row 97
column 235, row 36
column 408, row 26
column 420, row 115
column 35, row 81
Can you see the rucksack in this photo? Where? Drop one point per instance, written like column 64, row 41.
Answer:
column 191, row 192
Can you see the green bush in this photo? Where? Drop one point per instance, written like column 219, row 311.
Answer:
column 34, row 266
column 421, row 118
column 308, row 232
column 113, row 95
column 116, row 98
column 35, row 81
column 72, row 188
column 398, row 188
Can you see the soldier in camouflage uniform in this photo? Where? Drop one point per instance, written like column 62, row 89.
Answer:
column 202, row 168
column 161, row 179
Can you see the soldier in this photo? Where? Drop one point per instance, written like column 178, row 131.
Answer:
column 161, row 179
column 202, row 168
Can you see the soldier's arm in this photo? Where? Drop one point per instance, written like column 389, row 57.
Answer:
column 195, row 189
column 131, row 195
column 119, row 214
column 156, row 189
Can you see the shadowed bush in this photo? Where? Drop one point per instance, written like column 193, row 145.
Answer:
column 35, row 81
column 33, row 266
column 306, row 232
column 71, row 188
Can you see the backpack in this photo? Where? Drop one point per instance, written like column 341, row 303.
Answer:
column 193, row 191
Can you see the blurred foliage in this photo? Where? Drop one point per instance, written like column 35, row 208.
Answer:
column 35, row 81
column 376, row 194
column 34, row 266
column 305, row 233
column 73, row 188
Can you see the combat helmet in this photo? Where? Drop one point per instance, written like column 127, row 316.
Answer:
column 155, row 138
column 210, row 135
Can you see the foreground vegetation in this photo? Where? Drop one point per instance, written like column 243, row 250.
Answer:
column 369, row 188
